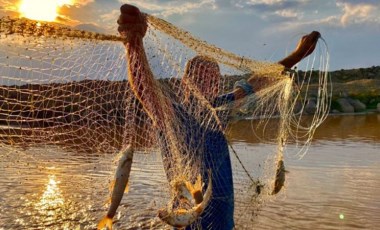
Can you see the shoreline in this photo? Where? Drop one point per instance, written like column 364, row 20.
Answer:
column 367, row 112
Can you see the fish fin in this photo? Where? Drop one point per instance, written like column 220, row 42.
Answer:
column 106, row 222
column 189, row 186
column 198, row 182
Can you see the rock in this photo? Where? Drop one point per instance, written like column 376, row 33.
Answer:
column 378, row 107
column 371, row 75
column 311, row 106
column 343, row 94
column 358, row 105
column 345, row 106
column 335, row 111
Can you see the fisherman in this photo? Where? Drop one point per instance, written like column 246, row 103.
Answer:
column 207, row 143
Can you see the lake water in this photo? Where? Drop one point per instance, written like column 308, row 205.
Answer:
column 334, row 186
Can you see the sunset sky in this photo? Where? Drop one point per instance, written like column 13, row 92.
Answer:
column 260, row 29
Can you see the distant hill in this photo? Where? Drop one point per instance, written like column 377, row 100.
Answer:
column 347, row 75
column 353, row 90
column 90, row 27
column 104, row 101
column 359, row 88
column 356, row 74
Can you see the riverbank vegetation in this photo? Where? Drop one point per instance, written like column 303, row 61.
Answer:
column 354, row 90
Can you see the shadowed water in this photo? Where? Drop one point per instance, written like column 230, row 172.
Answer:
column 334, row 186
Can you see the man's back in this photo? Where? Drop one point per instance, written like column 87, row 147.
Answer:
column 206, row 148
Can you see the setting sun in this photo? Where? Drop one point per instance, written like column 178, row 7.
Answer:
column 44, row 10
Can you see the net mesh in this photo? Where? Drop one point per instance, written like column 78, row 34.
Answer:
column 66, row 93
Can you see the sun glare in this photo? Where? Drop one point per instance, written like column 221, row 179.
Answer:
column 52, row 196
column 43, row 10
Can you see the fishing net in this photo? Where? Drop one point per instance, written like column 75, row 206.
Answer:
column 67, row 108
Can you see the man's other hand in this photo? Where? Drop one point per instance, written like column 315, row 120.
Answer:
column 305, row 47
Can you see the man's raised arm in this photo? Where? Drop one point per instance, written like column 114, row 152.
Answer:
column 133, row 27
column 305, row 47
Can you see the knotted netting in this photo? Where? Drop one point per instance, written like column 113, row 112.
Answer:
column 67, row 101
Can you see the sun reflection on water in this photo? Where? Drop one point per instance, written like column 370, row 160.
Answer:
column 52, row 199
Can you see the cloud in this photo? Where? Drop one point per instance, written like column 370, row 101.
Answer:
column 290, row 15
column 274, row 10
column 111, row 16
column 269, row 5
column 11, row 8
column 76, row 3
column 358, row 12
column 8, row 8
column 287, row 13
column 171, row 7
column 66, row 20
column 353, row 2
column 83, row 2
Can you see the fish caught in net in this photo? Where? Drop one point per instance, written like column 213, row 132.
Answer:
column 157, row 88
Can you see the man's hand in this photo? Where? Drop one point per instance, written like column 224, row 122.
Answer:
column 131, row 22
column 307, row 44
column 304, row 48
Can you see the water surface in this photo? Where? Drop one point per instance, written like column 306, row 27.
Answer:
column 334, row 186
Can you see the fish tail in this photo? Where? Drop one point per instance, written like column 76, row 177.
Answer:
column 106, row 222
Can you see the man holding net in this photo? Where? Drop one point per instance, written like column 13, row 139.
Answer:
column 185, row 141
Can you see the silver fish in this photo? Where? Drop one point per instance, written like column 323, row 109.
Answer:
column 120, row 184
column 190, row 192
column 183, row 217
column 280, row 177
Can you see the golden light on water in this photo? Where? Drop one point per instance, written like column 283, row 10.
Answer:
column 43, row 10
column 52, row 197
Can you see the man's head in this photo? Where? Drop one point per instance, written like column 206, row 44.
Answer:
column 204, row 74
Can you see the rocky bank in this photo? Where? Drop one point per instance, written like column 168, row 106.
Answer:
column 353, row 90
